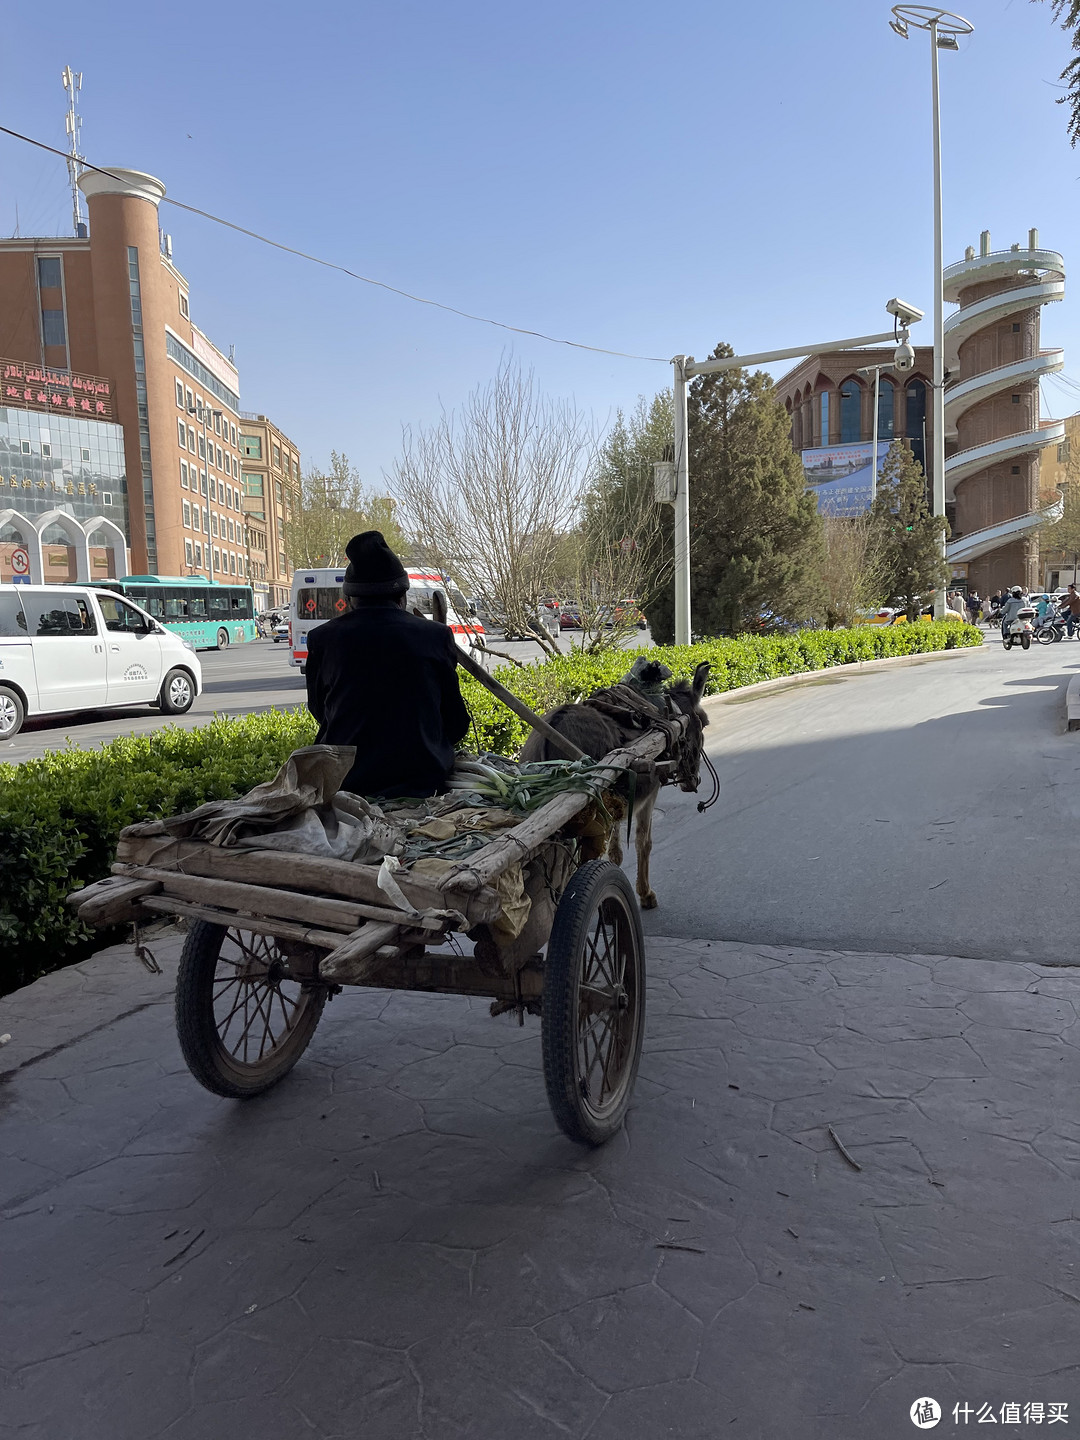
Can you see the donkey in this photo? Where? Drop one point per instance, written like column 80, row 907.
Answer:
column 598, row 734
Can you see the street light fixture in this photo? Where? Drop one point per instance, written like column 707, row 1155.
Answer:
column 944, row 29
column 672, row 480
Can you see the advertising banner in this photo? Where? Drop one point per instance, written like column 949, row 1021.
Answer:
column 839, row 475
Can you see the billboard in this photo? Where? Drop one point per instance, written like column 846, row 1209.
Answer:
column 839, row 475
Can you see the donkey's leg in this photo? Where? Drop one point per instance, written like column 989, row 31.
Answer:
column 614, row 849
column 643, row 817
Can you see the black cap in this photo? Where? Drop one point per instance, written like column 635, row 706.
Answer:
column 374, row 569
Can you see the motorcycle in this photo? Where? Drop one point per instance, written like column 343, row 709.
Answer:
column 1049, row 628
column 1020, row 629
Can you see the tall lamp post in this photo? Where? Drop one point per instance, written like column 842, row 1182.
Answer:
column 943, row 28
column 672, row 478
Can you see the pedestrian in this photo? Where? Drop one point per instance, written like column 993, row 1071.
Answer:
column 1071, row 609
column 974, row 605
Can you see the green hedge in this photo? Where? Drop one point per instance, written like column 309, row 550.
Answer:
column 60, row 815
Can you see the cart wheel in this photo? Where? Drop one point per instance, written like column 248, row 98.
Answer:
column 242, row 1021
column 594, row 1003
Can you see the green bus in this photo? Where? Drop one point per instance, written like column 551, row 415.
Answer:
column 208, row 615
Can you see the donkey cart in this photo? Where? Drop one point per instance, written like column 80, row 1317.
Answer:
column 273, row 935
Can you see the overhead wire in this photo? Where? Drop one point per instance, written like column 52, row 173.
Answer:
column 343, row 269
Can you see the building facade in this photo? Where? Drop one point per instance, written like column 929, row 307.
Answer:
column 993, row 430
column 112, row 306
column 271, row 480
column 63, row 500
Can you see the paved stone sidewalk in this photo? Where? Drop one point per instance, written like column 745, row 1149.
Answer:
column 398, row 1243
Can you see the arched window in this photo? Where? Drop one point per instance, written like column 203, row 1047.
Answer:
column 55, row 534
column 916, row 410
column 850, row 412
column 11, row 535
column 886, row 409
column 915, row 420
column 824, row 432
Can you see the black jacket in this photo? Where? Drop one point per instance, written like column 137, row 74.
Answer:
column 386, row 681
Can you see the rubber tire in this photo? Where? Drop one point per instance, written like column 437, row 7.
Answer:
column 1008, row 643
column 223, row 639
column 1046, row 636
column 166, row 705
column 196, row 1030
column 12, row 702
column 594, row 882
column 1025, row 642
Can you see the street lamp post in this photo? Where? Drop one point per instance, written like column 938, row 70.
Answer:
column 943, row 27
column 685, row 368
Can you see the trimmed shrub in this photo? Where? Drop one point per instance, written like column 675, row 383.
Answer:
column 60, row 815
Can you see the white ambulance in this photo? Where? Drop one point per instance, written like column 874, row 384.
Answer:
column 317, row 596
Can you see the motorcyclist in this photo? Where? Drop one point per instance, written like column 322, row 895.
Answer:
column 1011, row 608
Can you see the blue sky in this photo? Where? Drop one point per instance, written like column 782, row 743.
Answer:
column 644, row 178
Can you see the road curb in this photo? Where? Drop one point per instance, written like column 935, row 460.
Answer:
column 1072, row 704
column 810, row 677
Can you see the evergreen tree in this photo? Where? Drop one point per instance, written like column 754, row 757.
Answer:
column 910, row 534
column 755, row 533
column 1067, row 14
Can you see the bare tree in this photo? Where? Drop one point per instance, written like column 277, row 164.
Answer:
column 334, row 506
column 853, row 576
column 491, row 490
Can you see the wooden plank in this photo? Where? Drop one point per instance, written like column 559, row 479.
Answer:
column 264, row 900
column 303, row 873
column 352, row 961
column 451, row 975
column 112, row 901
column 257, row 925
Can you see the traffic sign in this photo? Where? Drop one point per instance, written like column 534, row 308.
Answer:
column 20, row 561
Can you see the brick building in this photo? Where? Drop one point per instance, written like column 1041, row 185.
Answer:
column 993, row 430
column 112, row 306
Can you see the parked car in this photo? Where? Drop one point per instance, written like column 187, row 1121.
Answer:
column 67, row 648
column 569, row 617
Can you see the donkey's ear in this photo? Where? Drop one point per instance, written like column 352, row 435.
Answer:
column 701, row 676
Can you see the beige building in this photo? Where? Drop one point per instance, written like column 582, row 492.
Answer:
column 270, row 470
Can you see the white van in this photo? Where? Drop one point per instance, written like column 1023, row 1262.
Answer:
column 317, row 596
column 65, row 648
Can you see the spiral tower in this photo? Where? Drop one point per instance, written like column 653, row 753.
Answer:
column 993, row 434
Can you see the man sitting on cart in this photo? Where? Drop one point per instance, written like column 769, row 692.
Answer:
column 385, row 681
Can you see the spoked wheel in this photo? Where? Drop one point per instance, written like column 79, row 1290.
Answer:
column 242, row 1018
column 594, row 1003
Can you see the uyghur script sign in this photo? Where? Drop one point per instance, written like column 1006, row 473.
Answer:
column 40, row 387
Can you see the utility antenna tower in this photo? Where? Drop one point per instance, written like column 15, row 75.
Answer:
column 73, row 127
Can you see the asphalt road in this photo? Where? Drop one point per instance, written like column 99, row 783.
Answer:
column 925, row 809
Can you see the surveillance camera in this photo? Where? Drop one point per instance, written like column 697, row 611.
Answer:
column 905, row 313
column 904, row 357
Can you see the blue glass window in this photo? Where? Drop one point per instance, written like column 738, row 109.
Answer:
column 850, row 412
column 824, row 417
column 886, row 409
column 52, row 327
